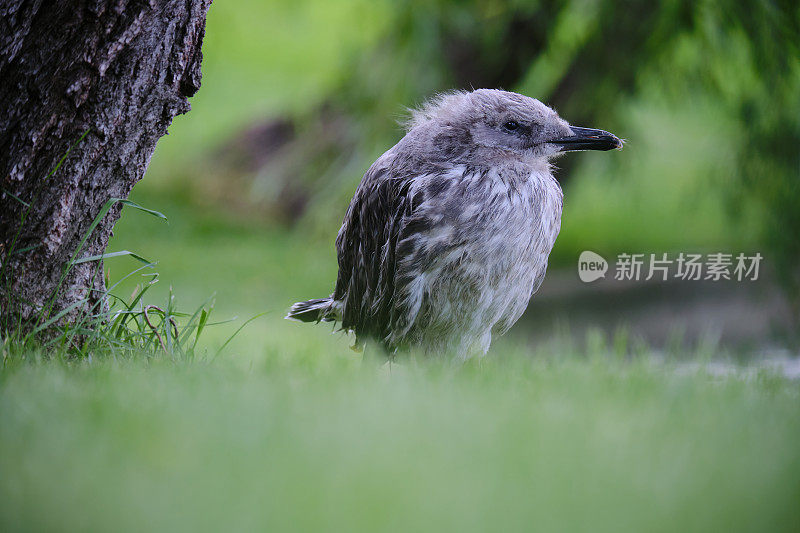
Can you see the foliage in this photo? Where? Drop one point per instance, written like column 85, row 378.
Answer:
column 747, row 55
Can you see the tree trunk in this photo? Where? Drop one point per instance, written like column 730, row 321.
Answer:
column 119, row 70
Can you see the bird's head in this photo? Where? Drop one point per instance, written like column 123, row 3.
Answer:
column 489, row 121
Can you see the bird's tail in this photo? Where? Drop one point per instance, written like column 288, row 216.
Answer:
column 317, row 310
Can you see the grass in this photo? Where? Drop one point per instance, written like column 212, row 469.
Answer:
column 287, row 429
column 312, row 441
column 105, row 325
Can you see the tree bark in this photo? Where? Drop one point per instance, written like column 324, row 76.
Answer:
column 119, row 70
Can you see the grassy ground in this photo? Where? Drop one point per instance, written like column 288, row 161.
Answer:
column 315, row 442
column 287, row 430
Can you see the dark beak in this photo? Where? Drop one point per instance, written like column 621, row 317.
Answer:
column 588, row 139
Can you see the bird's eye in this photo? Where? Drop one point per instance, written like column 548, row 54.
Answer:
column 511, row 125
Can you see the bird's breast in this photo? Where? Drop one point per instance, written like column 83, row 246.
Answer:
column 478, row 250
column 492, row 221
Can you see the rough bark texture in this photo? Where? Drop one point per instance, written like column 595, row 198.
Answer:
column 120, row 70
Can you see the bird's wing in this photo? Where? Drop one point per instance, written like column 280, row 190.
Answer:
column 378, row 248
column 366, row 251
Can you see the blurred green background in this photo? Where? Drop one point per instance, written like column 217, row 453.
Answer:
column 608, row 407
column 299, row 97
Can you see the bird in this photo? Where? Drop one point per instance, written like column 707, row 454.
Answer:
column 448, row 234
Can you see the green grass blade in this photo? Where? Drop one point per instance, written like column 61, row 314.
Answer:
column 237, row 332
column 26, row 249
column 200, row 326
column 143, row 209
column 15, row 197
column 112, row 254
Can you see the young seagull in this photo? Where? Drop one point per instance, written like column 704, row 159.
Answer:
column 447, row 236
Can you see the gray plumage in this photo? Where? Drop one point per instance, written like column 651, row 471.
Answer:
column 447, row 236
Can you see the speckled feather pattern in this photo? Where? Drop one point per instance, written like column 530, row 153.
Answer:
column 448, row 234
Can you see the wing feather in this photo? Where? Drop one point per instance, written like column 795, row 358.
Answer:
column 366, row 249
column 398, row 225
